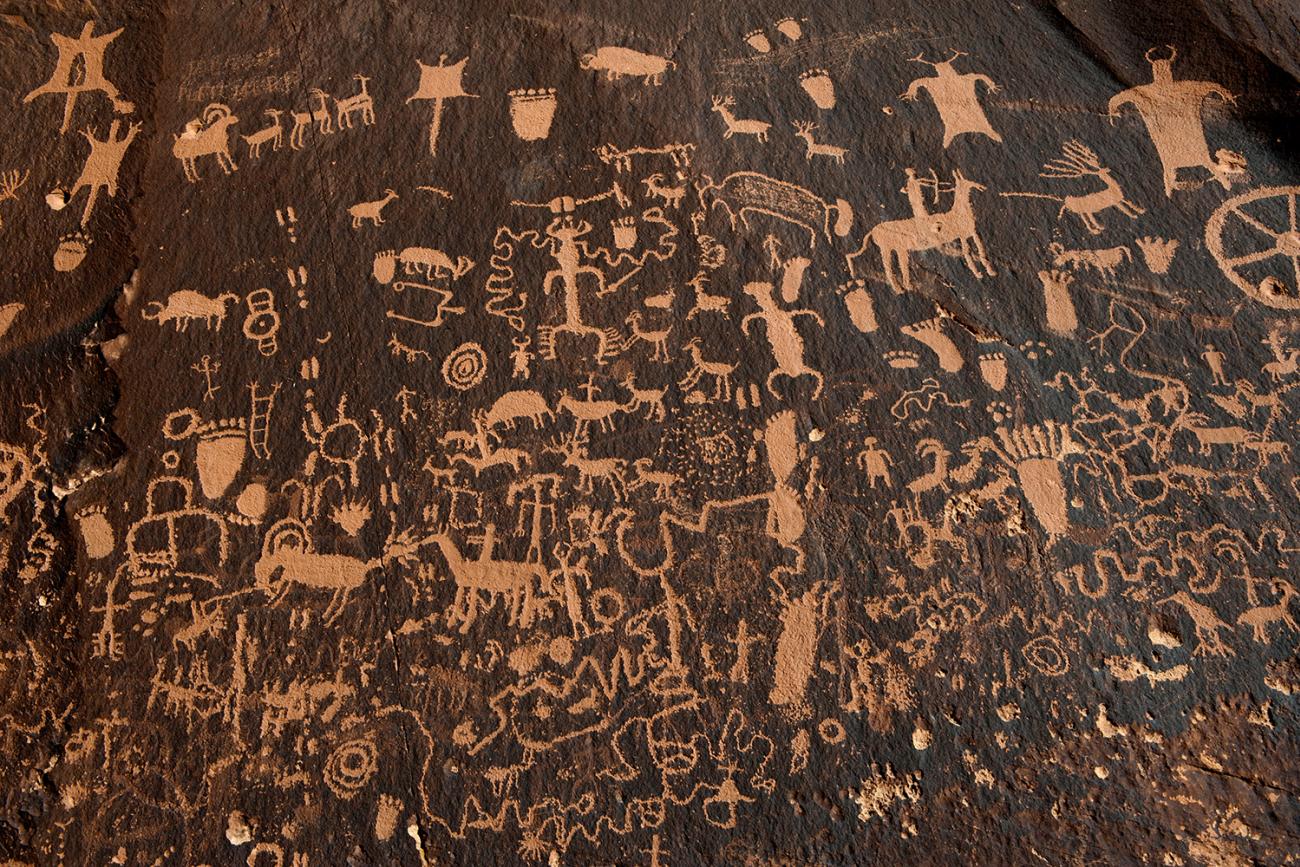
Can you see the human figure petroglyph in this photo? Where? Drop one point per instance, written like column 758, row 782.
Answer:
column 1214, row 361
column 915, row 187
column 488, row 455
column 586, row 411
column 521, row 358
column 1286, row 361
column 876, row 462
column 1171, row 110
column 898, row 239
column 565, row 232
column 956, row 96
column 79, row 69
column 535, row 512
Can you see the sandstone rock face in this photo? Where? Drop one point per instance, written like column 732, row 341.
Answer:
column 617, row 434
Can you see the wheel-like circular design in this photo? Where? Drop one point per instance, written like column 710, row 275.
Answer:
column 1255, row 238
column 465, row 367
column 350, row 767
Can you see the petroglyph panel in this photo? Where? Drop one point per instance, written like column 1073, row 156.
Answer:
column 600, row 433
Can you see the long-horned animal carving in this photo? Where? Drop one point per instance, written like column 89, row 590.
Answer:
column 428, row 261
column 273, row 132
column 1080, row 161
column 185, row 306
column 584, row 412
column 650, row 398
column 609, row 470
column 515, row 405
column 516, row 582
column 757, row 128
column 705, row 302
column 663, row 482
column 742, row 194
column 208, row 136
column 358, row 102
column 318, row 114
column 371, row 211
column 804, row 130
column 670, row 196
column 290, row 558
column 616, row 62
column 721, row 371
column 658, row 338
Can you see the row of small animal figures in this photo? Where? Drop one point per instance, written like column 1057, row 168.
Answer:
column 209, row 134
column 759, row 129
